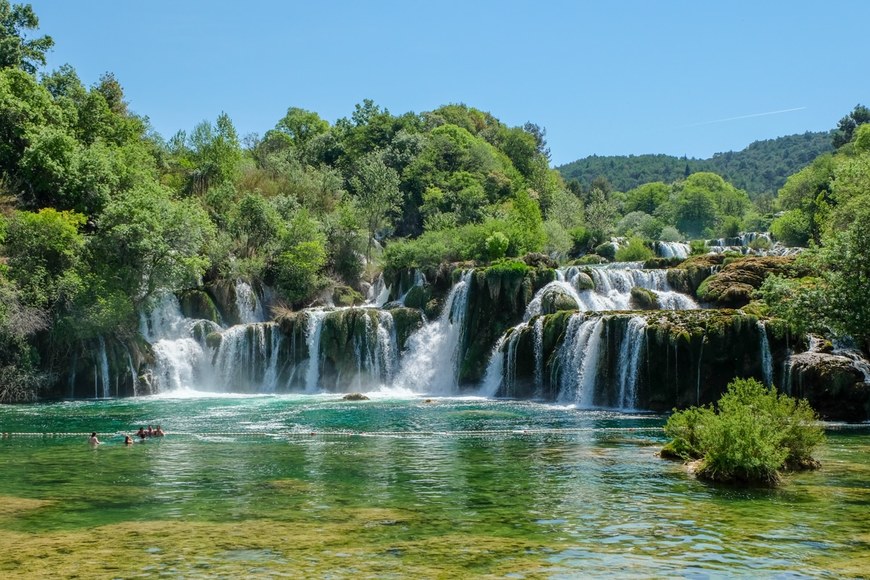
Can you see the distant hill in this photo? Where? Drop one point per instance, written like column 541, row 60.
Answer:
column 760, row 168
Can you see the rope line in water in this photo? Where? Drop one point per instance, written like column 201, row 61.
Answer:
column 325, row 433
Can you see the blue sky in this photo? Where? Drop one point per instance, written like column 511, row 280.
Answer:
column 607, row 78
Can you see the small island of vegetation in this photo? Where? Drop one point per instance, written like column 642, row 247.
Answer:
column 750, row 436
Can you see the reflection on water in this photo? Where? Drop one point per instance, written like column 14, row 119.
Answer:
column 482, row 487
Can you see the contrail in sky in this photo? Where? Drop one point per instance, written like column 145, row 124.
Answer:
column 746, row 117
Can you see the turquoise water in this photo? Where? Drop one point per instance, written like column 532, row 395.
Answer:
column 401, row 487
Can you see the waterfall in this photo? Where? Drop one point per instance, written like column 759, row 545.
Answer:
column 104, row 370
column 673, row 250
column 433, row 350
column 312, row 339
column 133, row 379
column 766, row 355
column 494, row 376
column 376, row 349
column 613, row 286
column 630, row 351
column 539, row 356
column 247, row 357
column 378, row 293
column 178, row 344
column 250, row 309
column 578, row 353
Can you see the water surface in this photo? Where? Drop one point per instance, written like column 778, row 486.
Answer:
column 311, row 485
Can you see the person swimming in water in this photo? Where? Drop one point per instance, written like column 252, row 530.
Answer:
column 159, row 432
column 92, row 440
column 128, row 440
column 141, row 433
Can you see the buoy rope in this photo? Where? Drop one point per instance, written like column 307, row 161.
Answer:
column 350, row 433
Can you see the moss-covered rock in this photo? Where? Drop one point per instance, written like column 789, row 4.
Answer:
column 734, row 284
column 689, row 274
column 584, row 281
column 417, row 297
column 607, row 250
column 555, row 299
column 346, row 296
column 497, row 299
column 196, row 303
column 832, row 385
column 644, row 299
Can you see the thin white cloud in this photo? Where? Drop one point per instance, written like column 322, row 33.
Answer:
column 747, row 116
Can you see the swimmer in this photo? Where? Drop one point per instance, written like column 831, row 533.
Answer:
column 128, row 440
column 159, row 432
column 141, row 433
column 92, row 440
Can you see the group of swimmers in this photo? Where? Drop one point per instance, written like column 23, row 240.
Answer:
column 142, row 434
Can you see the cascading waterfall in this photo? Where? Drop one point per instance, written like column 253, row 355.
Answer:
column 376, row 349
column 133, row 379
column 492, row 379
column 539, row 355
column 678, row 250
column 578, row 360
column 247, row 357
column 435, row 347
column 630, row 352
column 613, row 286
column 249, row 307
column 312, row 340
column 178, row 344
column 104, row 370
column 378, row 293
column 766, row 355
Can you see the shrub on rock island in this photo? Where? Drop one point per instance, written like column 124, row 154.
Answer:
column 750, row 436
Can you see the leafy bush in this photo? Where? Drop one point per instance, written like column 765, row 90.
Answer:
column 635, row 251
column 751, row 435
column 698, row 247
column 671, row 234
column 606, row 250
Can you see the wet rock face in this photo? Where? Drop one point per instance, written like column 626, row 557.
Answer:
column 556, row 299
column 832, row 385
column 497, row 300
column 643, row 299
column 690, row 273
column 733, row 285
column 199, row 305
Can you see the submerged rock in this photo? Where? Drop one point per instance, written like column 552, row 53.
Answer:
column 355, row 397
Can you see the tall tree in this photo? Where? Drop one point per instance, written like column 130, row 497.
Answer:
column 15, row 50
column 377, row 189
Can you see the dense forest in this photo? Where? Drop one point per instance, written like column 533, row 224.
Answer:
column 760, row 169
column 100, row 214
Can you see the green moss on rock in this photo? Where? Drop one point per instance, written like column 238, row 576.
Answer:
column 644, row 299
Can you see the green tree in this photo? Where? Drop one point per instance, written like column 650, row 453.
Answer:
column 646, row 198
column 847, row 125
column 148, row 242
column 44, row 249
column 377, row 191
column 301, row 126
column 16, row 51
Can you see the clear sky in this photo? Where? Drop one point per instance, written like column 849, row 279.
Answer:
column 608, row 77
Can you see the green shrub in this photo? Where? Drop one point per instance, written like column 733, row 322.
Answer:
column 606, row 250
column 752, row 434
column 635, row 251
column 698, row 247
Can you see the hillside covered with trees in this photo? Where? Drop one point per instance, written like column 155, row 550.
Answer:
column 101, row 215
column 760, row 169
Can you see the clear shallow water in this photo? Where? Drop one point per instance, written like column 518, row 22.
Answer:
column 399, row 487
